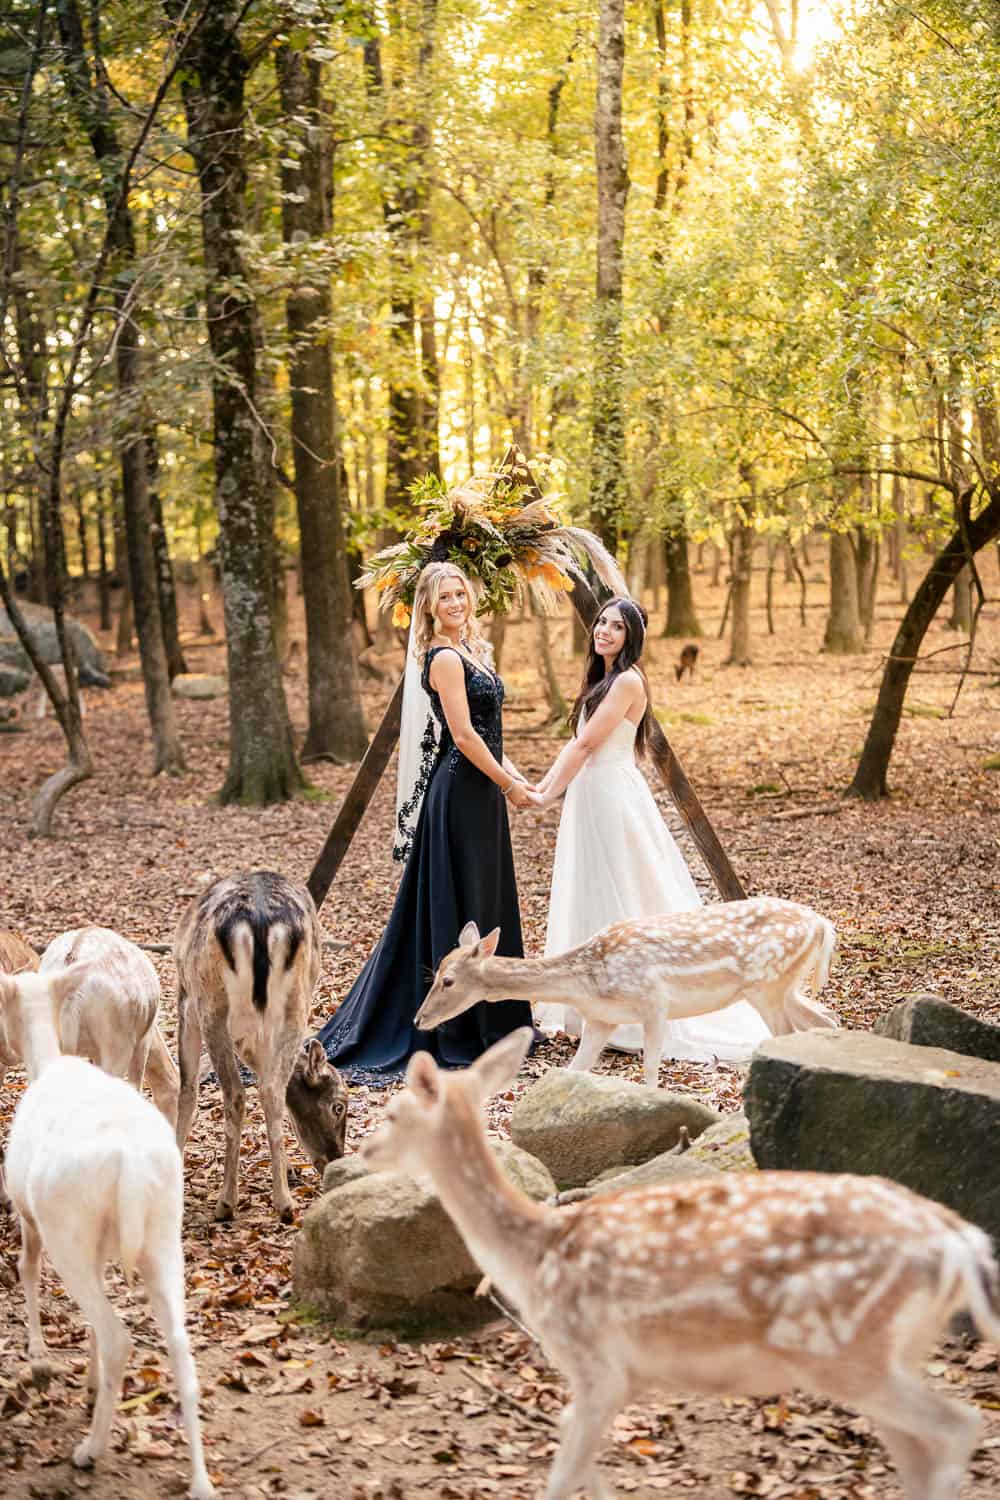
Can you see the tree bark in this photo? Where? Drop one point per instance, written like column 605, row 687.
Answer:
column 91, row 100
column 336, row 722
column 262, row 763
column 166, row 588
column 740, row 653
column 866, row 560
column 103, row 572
column 607, row 459
column 844, row 635
column 871, row 776
column 682, row 618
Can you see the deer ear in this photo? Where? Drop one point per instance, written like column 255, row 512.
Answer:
column 468, row 936
column 315, row 1059
column 488, row 945
column 65, row 981
column 497, row 1068
column 422, row 1077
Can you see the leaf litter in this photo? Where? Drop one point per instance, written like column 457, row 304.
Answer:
column 291, row 1405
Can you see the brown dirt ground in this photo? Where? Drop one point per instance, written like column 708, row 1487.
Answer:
column 290, row 1405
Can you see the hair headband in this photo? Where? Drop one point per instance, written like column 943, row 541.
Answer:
column 623, row 604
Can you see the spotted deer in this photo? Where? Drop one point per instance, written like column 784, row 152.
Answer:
column 737, row 1284
column 247, row 951
column 653, row 970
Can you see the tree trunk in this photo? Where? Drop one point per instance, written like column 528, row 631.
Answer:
column 103, row 573
column 81, row 531
column 844, row 635
column 769, row 584
column 607, row 458
column 92, row 103
column 740, row 654
column 165, row 587
column 870, row 777
column 682, row 619
column 961, row 603
column 262, row 764
column 336, row 722
column 866, row 558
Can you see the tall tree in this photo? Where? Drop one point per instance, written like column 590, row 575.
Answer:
column 89, row 90
column 262, row 763
column 336, row 722
column 608, row 415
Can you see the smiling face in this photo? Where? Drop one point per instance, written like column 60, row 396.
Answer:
column 453, row 606
column 609, row 634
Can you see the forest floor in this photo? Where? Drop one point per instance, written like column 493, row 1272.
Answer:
column 291, row 1405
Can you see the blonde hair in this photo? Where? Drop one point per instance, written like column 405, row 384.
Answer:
column 425, row 600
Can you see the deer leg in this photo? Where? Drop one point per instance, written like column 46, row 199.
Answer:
column 161, row 1075
column 220, row 1050
column 28, row 1265
column 189, row 1058
column 929, row 1437
column 596, row 1398
column 273, row 1084
column 163, row 1273
column 593, row 1039
column 654, row 1033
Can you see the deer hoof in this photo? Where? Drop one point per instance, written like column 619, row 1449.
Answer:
column 42, row 1371
column 83, row 1456
column 224, row 1211
column 287, row 1214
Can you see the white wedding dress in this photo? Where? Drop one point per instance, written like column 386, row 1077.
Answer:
column 615, row 859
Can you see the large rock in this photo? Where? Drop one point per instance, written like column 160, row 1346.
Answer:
column 580, row 1124
column 90, row 661
column 199, row 685
column 928, row 1021
column 725, row 1146
column 13, row 681
column 849, row 1101
column 667, row 1168
column 380, row 1251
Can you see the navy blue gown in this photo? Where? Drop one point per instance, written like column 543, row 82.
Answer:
column 460, row 869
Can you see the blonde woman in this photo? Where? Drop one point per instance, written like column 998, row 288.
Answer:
column 452, row 821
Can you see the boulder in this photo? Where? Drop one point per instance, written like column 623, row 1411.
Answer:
column 580, row 1124
column 928, row 1021
column 661, row 1169
column 13, row 681
column 199, row 685
column 380, row 1251
column 850, row 1101
column 725, row 1146
column 345, row 1169
column 90, row 662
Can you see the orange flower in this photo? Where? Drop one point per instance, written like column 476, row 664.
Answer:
column 401, row 614
column 386, row 582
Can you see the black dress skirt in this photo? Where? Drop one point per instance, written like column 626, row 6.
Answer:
column 460, row 869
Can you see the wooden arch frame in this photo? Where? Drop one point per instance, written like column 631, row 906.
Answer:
column 377, row 756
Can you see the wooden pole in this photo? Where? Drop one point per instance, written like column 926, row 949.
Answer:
column 376, row 759
column 354, row 805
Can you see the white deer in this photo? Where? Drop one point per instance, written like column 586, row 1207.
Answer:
column 653, row 970
column 745, row 1284
column 94, row 1175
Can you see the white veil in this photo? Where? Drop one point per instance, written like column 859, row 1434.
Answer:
column 419, row 737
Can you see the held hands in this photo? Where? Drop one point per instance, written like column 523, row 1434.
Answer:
column 521, row 795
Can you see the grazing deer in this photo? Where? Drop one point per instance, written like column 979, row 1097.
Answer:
column 94, row 1175
column 746, row 1284
column 687, row 663
column 317, row 1098
column 16, row 956
column 653, row 970
column 110, row 1017
column 247, row 952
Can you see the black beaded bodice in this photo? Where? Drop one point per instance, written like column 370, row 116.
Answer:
column 484, row 690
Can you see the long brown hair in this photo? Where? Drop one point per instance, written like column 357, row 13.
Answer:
column 597, row 683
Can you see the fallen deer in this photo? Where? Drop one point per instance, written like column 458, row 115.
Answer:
column 653, row 970
column 740, row 1284
column 247, row 952
column 94, row 1175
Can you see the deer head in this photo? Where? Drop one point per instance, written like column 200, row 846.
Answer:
column 423, row 1116
column 461, row 979
column 317, row 1100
